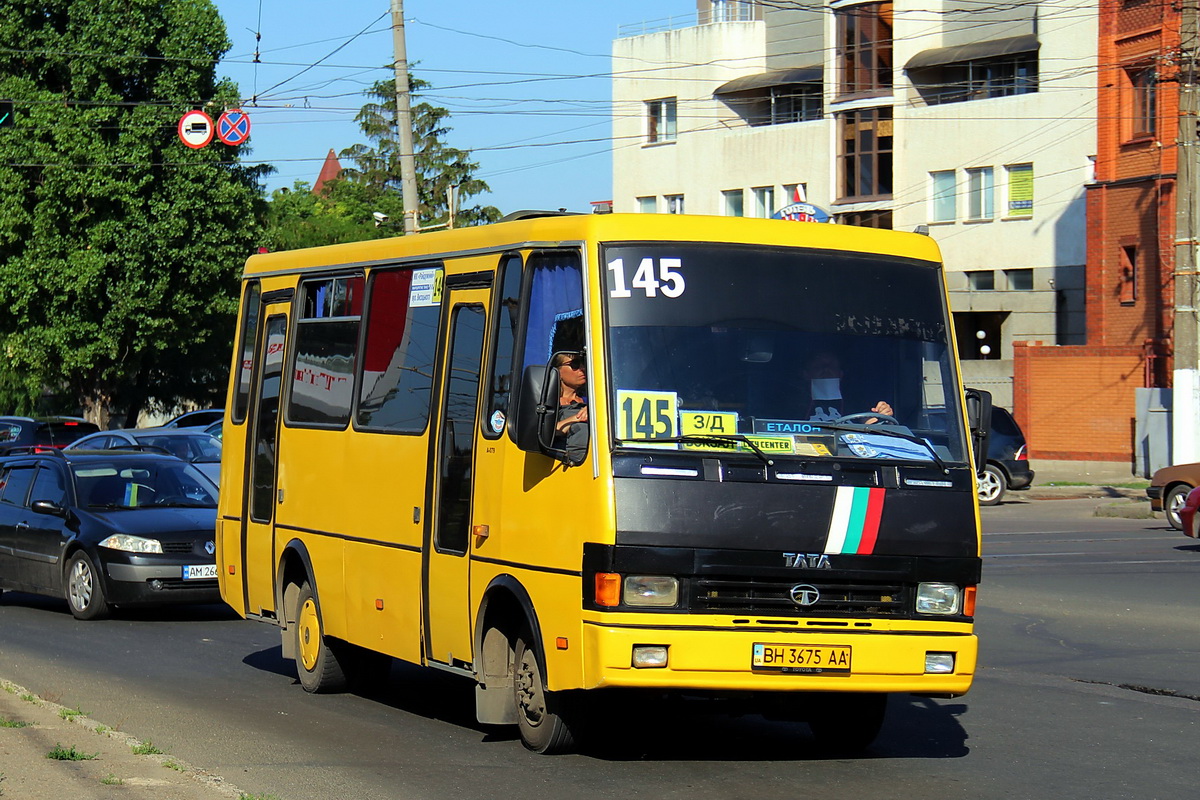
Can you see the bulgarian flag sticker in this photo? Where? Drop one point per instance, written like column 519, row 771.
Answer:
column 854, row 526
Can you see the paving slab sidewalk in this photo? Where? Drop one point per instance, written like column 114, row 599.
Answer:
column 32, row 727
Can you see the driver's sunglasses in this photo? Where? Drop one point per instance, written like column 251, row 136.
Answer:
column 574, row 363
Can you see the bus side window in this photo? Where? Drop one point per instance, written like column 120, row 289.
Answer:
column 326, row 350
column 401, row 345
column 555, row 324
column 506, row 319
column 249, row 326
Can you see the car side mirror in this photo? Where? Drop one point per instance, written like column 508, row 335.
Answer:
column 979, row 420
column 48, row 508
column 537, row 411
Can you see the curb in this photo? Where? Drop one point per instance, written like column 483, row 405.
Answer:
column 1130, row 509
column 62, row 716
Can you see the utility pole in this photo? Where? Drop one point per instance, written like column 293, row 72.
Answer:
column 404, row 128
column 1185, row 395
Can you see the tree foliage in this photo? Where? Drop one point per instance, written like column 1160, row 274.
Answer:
column 342, row 211
column 120, row 247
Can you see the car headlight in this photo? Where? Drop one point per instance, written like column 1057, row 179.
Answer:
column 132, row 544
column 658, row 591
column 938, row 598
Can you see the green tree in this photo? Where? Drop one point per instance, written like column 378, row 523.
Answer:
column 438, row 166
column 120, row 247
column 342, row 211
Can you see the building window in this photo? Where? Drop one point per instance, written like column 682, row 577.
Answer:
column 795, row 192
column 866, row 153
column 764, row 201
column 1020, row 190
column 1142, row 115
column 981, row 193
column 1019, row 280
column 732, row 10
column 778, row 104
column 867, row 219
column 660, row 120
column 865, row 48
column 674, row 203
column 732, row 203
column 1129, row 270
column 647, row 205
column 981, row 280
column 977, row 80
column 943, row 189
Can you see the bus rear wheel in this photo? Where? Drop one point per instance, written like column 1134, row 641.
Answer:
column 847, row 723
column 541, row 715
column 317, row 665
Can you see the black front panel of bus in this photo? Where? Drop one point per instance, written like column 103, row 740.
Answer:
column 740, row 582
column 779, row 517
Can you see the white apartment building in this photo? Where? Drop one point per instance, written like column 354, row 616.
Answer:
column 973, row 120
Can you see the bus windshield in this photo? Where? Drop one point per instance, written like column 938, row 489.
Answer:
column 784, row 351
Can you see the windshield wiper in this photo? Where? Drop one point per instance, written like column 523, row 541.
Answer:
column 710, row 438
column 183, row 504
column 887, row 430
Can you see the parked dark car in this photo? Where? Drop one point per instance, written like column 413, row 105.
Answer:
column 107, row 529
column 1007, row 465
column 192, row 445
column 1169, row 488
column 42, row 431
column 196, row 419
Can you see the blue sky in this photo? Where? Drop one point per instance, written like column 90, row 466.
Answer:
column 528, row 84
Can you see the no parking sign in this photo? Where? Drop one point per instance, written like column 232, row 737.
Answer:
column 233, row 127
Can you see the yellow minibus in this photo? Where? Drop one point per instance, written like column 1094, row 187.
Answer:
column 573, row 456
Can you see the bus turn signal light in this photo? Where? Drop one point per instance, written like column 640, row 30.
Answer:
column 969, row 601
column 608, row 589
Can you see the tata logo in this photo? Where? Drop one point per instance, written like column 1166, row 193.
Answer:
column 807, row 561
column 803, row 594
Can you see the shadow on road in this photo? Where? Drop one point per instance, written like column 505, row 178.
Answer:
column 634, row 727
column 169, row 613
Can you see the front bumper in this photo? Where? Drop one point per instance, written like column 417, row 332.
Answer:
column 135, row 579
column 886, row 657
column 1155, row 493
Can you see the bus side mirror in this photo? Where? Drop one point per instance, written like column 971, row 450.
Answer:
column 537, row 409
column 979, row 418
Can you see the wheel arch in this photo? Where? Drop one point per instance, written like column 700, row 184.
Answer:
column 295, row 566
column 507, row 602
column 507, row 609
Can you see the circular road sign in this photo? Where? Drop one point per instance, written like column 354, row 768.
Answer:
column 233, row 127
column 195, row 129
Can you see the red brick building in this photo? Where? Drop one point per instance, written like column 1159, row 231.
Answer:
column 1077, row 403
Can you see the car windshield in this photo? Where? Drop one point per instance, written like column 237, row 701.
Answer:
column 201, row 448
column 782, row 351
column 130, row 483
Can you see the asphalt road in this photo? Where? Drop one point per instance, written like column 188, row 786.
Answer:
column 1088, row 688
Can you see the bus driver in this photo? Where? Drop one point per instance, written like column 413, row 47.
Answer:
column 823, row 371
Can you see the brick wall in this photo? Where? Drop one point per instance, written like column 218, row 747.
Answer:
column 1077, row 403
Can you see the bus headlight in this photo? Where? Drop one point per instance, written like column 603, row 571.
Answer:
column 132, row 544
column 655, row 591
column 938, row 598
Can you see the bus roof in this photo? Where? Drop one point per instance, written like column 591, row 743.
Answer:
column 547, row 231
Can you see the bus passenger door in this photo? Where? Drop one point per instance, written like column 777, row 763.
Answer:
column 261, row 465
column 447, row 563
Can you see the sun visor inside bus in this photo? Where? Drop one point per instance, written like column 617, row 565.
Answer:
column 555, row 307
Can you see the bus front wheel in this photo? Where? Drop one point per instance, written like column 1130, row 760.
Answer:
column 541, row 715
column 317, row 665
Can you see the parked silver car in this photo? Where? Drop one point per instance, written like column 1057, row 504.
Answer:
column 191, row 444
